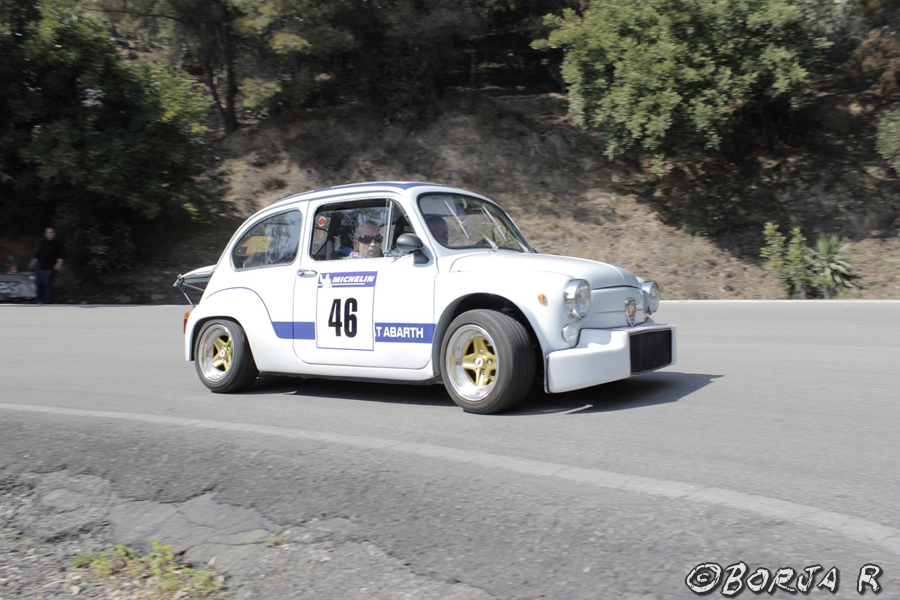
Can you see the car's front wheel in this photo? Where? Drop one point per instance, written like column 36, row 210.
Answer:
column 487, row 362
column 223, row 358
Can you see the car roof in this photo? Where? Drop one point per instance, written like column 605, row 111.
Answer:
column 373, row 186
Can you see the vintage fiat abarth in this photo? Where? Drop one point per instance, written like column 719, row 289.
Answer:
column 420, row 283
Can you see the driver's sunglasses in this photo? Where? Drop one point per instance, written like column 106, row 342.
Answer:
column 368, row 239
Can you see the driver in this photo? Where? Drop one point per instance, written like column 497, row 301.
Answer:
column 366, row 241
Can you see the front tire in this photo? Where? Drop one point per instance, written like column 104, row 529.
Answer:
column 487, row 362
column 223, row 358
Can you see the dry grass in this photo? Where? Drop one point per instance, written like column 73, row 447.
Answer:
column 878, row 266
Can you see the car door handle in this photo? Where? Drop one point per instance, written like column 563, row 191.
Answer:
column 305, row 272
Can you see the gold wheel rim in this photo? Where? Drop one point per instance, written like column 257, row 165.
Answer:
column 471, row 363
column 216, row 354
column 479, row 363
column 223, row 352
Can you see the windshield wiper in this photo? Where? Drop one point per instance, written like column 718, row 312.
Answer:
column 495, row 225
column 461, row 223
column 462, row 226
column 489, row 241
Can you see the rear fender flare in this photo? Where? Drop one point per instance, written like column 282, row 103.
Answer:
column 242, row 305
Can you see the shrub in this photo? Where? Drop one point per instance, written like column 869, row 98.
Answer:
column 833, row 271
column 807, row 272
column 887, row 141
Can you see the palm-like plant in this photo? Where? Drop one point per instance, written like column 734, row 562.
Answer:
column 834, row 271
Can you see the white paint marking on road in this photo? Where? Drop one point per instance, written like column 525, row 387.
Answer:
column 855, row 528
column 575, row 410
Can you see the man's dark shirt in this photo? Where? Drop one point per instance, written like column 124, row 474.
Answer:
column 48, row 252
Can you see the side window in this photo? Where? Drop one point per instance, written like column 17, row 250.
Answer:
column 350, row 230
column 272, row 241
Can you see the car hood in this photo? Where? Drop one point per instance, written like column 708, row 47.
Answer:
column 598, row 275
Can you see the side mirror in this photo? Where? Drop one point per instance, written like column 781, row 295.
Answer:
column 410, row 242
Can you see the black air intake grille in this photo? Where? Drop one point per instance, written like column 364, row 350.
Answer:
column 651, row 350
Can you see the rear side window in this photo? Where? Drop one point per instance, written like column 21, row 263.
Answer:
column 272, row 241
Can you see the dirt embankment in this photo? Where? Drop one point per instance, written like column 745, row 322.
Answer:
column 698, row 234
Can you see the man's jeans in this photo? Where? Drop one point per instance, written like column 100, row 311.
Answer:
column 44, row 281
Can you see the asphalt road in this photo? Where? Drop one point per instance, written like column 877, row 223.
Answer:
column 774, row 441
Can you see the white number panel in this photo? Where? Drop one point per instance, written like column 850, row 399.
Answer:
column 345, row 304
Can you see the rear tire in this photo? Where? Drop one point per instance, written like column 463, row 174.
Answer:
column 223, row 358
column 487, row 361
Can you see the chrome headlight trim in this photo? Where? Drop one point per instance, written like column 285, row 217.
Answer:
column 577, row 296
column 651, row 296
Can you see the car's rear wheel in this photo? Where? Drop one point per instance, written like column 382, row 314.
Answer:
column 487, row 362
column 223, row 358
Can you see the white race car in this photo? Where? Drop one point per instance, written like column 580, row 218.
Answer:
column 421, row 283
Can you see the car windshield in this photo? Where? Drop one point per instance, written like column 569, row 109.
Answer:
column 458, row 221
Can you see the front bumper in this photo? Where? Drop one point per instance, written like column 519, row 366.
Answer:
column 604, row 355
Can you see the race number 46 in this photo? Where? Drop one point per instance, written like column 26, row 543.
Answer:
column 345, row 306
column 349, row 322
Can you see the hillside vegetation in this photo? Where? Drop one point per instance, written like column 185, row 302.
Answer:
column 551, row 177
column 681, row 197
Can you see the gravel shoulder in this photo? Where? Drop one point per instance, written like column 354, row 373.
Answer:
column 47, row 519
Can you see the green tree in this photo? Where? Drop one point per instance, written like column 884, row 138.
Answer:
column 202, row 28
column 257, row 57
column 406, row 48
column 287, row 45
column 670, row 76
column 251, row 54
column 89, row 142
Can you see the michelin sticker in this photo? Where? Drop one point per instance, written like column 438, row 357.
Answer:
column 345, row 305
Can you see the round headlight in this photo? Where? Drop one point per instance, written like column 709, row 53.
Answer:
column 578, row 298
column 651, row 297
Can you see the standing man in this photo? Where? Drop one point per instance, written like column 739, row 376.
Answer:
column 49, row 259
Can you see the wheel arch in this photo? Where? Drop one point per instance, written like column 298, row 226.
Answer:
column 195, row 330
column 485, row 301
column 220, row 305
